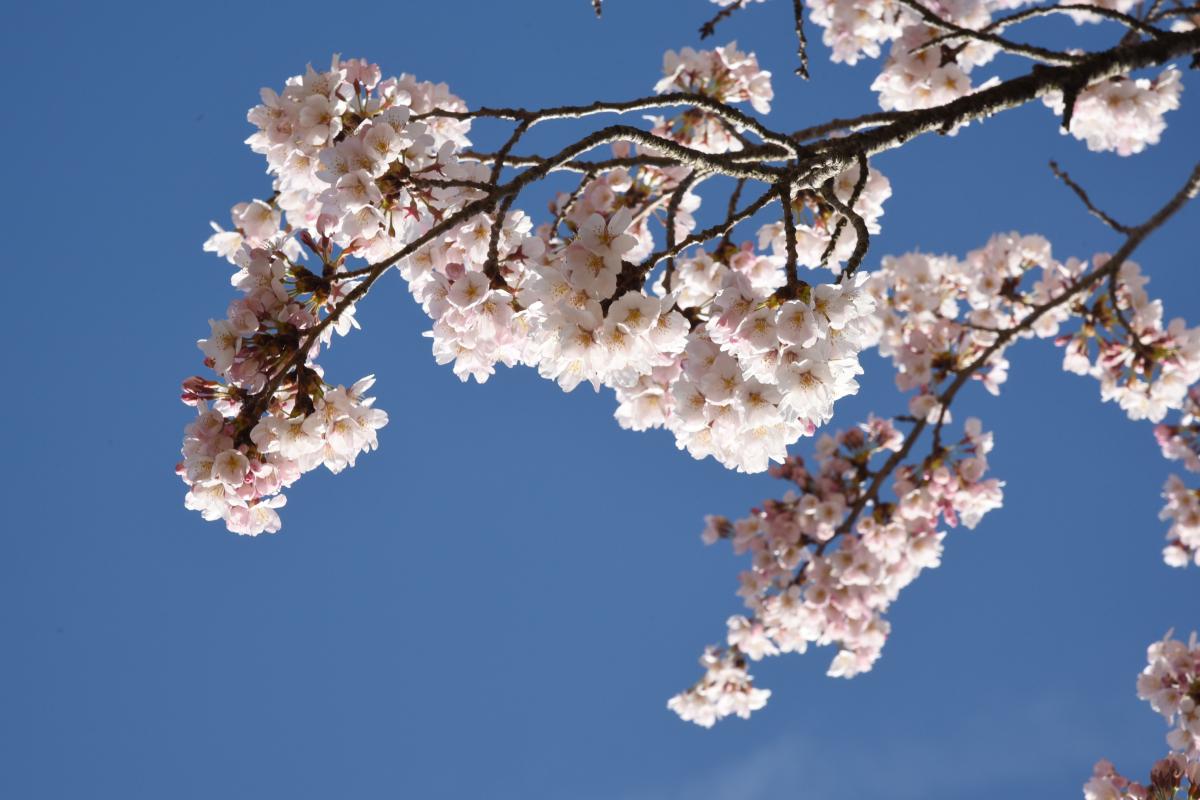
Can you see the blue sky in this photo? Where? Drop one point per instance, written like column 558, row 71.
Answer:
column 502, row 611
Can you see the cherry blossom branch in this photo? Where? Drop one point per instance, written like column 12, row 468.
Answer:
column 818, row 163
column 382, row 180
column 831, row 156
column 1134, row 238
column 1030, row 13
column 887, row 130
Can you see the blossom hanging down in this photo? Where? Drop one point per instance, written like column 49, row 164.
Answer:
column 830, row 556
column 354, row 173
column 1181, row 442
column 1170, row 683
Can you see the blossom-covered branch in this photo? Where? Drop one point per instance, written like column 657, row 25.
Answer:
column 738, row 345
column 829, row 557
column 1171, row 684
column 380, row 171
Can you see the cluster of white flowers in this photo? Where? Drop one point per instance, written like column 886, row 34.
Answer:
column 362, row 168
column 938, row 314
column 240, row 482
column 1081, row 17
column 800, row 592
column 1146, row 371
column 1122, row 114
column 1183, row 509
column 477, row 322
column 857, row 28
column 766, row 373
column 352, row 172
column 349, row 159
column 724, row 74
column 726, row 688
column 1166, row 781
column 1171, row 684
column 1182, row 442
column 235, row 463
column 919, row 76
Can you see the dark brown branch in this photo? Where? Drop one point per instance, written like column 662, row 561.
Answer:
column 731, row 209
column 848, row 124
column 769, row 196
column 789, row 235
column 569, row 203
column 730, row 114
column 575, row 164
column 834, row 155
column 672, row 210
column 710, row 27
column 1020, row 16
column 1030, row 51
column 801, row 40
column 1087, row 201
column 848, row 213
column 1182, row 11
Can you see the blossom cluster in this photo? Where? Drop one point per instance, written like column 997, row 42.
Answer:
column 724, row 74
column 1142, row 363
column 918, row 74
column 1170, row 683
column 738, row 362
column 1120, row 114
column 830, row 557
column 940, row 314
column 767, row 358
column 354, row 173
column 1181, row 441
column 240, row 481
column 726, row 688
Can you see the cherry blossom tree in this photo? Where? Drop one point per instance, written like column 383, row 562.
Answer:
column 740, row 337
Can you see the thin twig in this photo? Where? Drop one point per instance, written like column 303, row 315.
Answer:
column 672, row 210
column 789, row 234
column 710, row 27
column 1020, row 16
column 863, row 236
column 734, row 196
column 569, row 203
column 860, row 183
column 769, row 196
column 1087, row 201
column 1028, row 50
column 801, row 40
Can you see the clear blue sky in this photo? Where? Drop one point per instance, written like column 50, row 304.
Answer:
column 502, row 611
